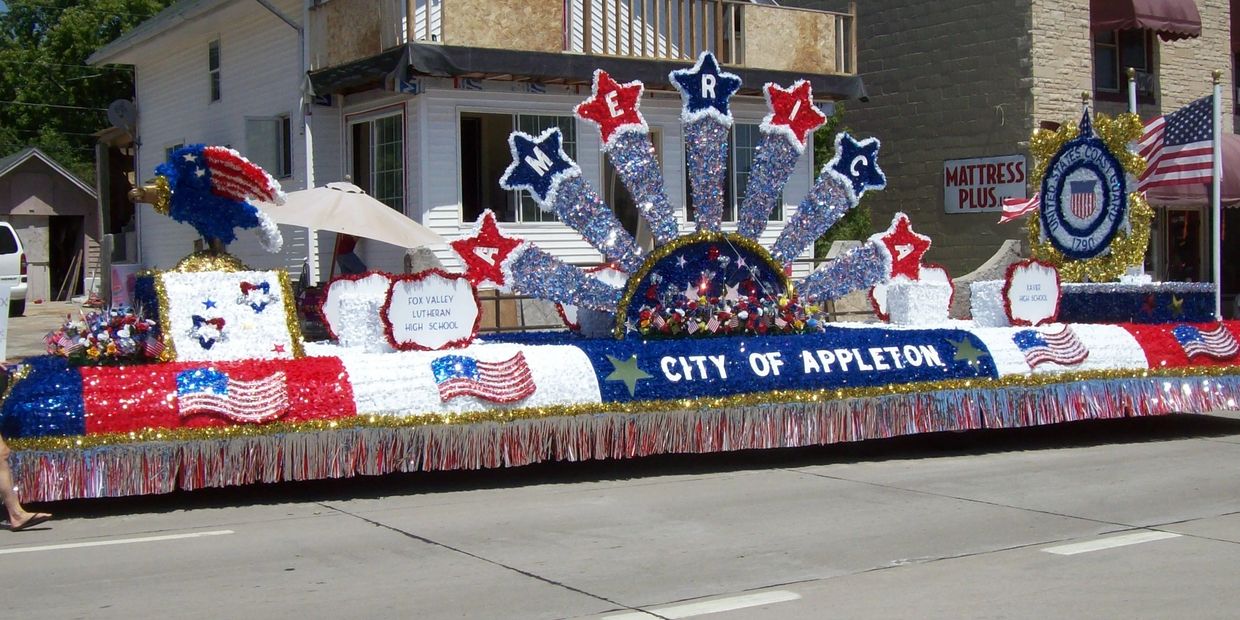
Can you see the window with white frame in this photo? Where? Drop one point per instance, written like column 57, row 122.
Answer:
column 485, row 156
column 213, row 68
column 378, row 157
column 268, row 143
column 742, row 146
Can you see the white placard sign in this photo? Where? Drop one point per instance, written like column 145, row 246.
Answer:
column 1031, row 294
column 979, row 185
column 431, row 310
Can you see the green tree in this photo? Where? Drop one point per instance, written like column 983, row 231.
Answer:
column 856, row 223
column 49, row 96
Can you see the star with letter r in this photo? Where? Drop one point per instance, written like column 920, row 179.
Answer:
column 906, row 247
column 793, row 112
column 484, row 252
column 706, row 89
column 613, row 106
column 856, row 164
column 538, row 164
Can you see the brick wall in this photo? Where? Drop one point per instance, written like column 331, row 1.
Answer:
column 1184, row 66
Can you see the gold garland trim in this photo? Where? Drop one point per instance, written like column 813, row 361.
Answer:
column 163, row 195
column 503, row 416
column 663, row 251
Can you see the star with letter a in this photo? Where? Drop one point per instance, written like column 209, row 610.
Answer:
column 484, row 252
column 612, row 106
column 906, row 247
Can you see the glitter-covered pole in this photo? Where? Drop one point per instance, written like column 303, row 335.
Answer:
column 855, row 270
column 839, row 187
column 614, row 108
column 554, row 181
column 529, row 270
column 706, row 91
column 793, row 116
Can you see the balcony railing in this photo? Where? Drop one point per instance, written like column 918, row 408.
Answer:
column 740, row 33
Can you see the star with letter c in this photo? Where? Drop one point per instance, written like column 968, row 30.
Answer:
column 612, row 106
column 906, row 247
column 793, row 112
column 856, row 164
column 484, row 252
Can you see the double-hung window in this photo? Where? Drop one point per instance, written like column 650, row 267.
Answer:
column 213, row 68
column 378, row 158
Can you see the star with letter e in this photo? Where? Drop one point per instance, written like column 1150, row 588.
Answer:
column 706, row 89
column 484, row 252
column 906, row 247
column 538, row 164
column 856, row 164
column 793, row 112
column 613, row 106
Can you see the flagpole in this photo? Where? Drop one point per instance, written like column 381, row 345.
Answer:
column 1132, row 90
column 1216, row 222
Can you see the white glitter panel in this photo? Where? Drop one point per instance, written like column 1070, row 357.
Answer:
column 222, row 316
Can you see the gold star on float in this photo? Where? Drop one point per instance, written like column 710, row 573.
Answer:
column 966, row 351
column 1177, row 305
column 626, row 371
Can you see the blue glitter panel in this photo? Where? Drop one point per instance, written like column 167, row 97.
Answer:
column 532, row 271
column 632, row 153
column 855, row 270
column 582, row 209
column 1117, row 303
column 707, row 142
column 826, row 203
column 48, row 402
column 773, row 164
column 838, row 358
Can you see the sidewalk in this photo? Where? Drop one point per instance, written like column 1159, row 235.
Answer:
column 26, row 332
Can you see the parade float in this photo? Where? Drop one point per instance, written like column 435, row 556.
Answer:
column 702, row 344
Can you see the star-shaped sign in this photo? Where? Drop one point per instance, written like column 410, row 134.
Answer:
column 485, row 251
column 856, row 164
column 793, row 112
column 626, row 371
column 966, row 351
column 613, row 106
column 538, row 164
column 1177, row 306
column 706, row 89
column 906, row 247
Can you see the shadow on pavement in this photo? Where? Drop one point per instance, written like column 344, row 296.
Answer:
column 936, row 445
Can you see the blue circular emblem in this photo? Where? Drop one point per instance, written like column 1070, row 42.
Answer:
column 1083, row 197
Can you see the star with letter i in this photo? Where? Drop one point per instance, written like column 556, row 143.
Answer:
column 612, row 106
column 538, row 164
column 706, row 89
column 484, row 252
column 905, row 246
column 793, row 112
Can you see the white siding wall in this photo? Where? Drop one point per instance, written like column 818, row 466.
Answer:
column 260, row 76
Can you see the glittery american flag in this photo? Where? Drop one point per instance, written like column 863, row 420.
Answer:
column 1178, row 147
column 501, row 382
column 211, row 391
column 1217, row 343
column 1062, row 347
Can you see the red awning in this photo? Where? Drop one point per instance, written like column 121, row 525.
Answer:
column 1171, row 19
column 1198, row 194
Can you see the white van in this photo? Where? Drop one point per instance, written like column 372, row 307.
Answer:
column 13, row 268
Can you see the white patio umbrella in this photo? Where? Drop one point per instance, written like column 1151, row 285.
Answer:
column 345, row 208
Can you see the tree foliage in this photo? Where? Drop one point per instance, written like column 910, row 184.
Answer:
column 856, row 223
column 49, row 96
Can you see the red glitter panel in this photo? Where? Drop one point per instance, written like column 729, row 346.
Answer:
column 1162, row 350
column 123, row 399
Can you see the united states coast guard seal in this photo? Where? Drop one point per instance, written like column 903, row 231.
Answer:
column 1083, row 198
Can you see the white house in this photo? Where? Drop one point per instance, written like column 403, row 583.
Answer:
column 415, row 105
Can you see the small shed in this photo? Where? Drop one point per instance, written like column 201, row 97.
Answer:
column 56, row 215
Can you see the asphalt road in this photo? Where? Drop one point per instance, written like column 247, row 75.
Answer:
column 1125, row 518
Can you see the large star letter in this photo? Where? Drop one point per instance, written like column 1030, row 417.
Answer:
column 856, row 164
column 538, row 164
column 705, row 89
column 484, row 252
column 793, row 112
column 906, row 247
column 626, row 371
column 612, row 106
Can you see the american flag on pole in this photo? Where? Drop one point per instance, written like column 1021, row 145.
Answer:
column 1179, row 147
column 1016, row 207
column 1217, row 343
column 212, row 391
column 502, row 382
column 1063, row 348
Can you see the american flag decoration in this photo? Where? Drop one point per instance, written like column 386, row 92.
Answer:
column 1217, row 343
column 1063, row 348
column 209, row 391
column 500, row 382
column 1081, row 195
column 233, row 176
column 153, row 347
column 1179, row 147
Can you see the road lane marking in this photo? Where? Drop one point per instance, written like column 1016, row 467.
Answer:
column 118, row 541
column 1110, row 543
column 688, row 610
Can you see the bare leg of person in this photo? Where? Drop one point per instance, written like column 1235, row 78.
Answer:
column 19, row 518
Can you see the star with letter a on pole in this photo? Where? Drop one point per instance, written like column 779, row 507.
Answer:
column 484, row 252
column 906, row 247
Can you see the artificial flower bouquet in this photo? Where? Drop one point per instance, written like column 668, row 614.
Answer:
column 120, row 335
